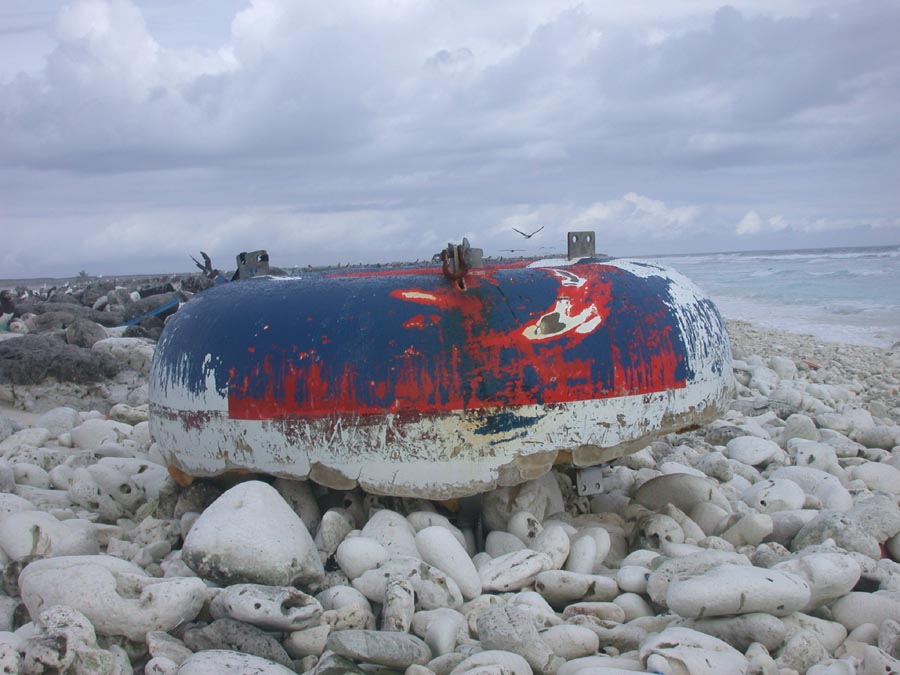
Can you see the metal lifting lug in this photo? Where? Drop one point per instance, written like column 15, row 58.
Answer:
column 456, row 261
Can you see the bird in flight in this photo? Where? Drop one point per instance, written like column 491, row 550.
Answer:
column 529, row 236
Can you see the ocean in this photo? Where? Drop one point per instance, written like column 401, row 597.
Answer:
column 836, row 294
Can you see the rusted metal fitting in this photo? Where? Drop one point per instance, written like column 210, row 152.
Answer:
column 457, row 260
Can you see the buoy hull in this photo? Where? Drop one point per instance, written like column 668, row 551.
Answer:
column 400, row 381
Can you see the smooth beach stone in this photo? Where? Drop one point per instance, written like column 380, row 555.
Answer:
column 91, row 433
column 25, row 473
column 633, row 578
column 692, row 532
column 829, row 575
column 554, row 542
column 820, row 484
column 422, row 519
column 751, row 450
column 633, row 605
column 339, row 596
column 570, row 642
column 58, row 421
column 510, row 629
column 357, row 555
column 582, row 554
column 560, row 588
column 140, row 435
column 118, row 597
column 61, row 477
column 333, row 664
column 602, row 665
column 681, row 490
column 251, row 535
column 833, row 667
column 493, row 661
column 785, row 367
column 877, row 476
column 393, row 650
column 225, row 662
column 524, row 525
column 682, row 650
column 786, row 524
column 26, row 534
column 604, row 542
column 875, row 662
column 877, row 436
column 537, row 607
column 830, row 633
column 299, row 495
column 161, row 644
column 677, row 467
column 710, row 518
column 333, row 528
column 750, row 530
column 743, row 630
column 512, row 571
column 857, row 608
column 399, row 605
column 738, row 589
column 307, row 642
column 160, row 665
column 443, row 629
column 893, row 547
column 33, row 437
column 432, row 587
column 499, row 543
column 281, row 608
column 48, row 500
column 393, row 531
column 815, row 454
column 237, row 635
column 768, row 496
column 671, row 569
column 439, row 547
column 799, row 425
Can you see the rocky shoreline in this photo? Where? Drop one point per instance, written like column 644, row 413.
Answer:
column 766, row 542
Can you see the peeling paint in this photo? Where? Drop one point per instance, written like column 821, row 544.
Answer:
column 421, row 389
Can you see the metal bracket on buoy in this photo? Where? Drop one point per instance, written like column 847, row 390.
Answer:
column 582, row 244
column 457, row 260
column 252, row 264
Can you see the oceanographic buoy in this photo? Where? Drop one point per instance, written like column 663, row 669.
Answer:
column 436, row 381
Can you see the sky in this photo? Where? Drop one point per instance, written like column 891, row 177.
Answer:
column 135, row 133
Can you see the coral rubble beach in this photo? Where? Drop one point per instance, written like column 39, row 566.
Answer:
column 766, row 542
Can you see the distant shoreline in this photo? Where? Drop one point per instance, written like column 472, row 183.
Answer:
column 36, row 282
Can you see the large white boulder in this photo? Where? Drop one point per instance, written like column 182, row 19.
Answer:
column 250, row 534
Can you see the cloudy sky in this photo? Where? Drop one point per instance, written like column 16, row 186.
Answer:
column 136, row 132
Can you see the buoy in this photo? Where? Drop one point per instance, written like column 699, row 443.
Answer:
column 436, row 381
